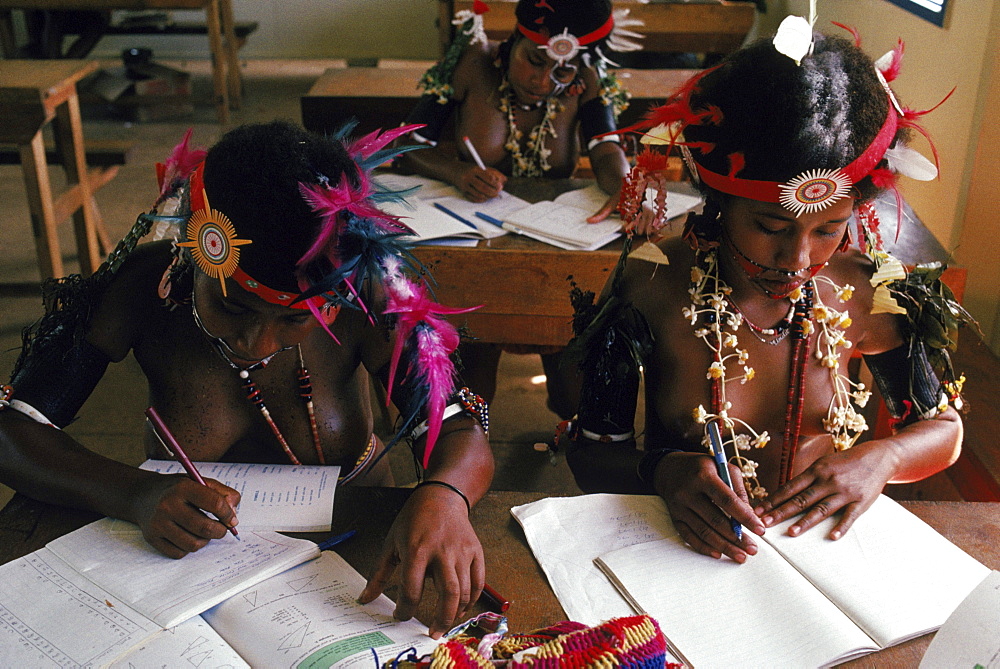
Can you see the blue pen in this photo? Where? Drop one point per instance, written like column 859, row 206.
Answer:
column 454, row 215
column 334, row 540
column 489, row 219
column 723, row 468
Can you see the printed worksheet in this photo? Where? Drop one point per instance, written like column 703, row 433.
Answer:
column 51, row 616
column 169, row 591
column 283, row 498
column 310, row 617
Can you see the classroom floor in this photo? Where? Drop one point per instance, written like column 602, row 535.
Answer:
column 111, row 421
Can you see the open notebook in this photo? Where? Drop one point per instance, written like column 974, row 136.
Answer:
column 99, row 596
column 283, row 498
column 801, row 601
column 563, row 222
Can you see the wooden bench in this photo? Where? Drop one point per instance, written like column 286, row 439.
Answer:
column 34, row 94
column 381, row 97
column 98, row 153
column 241, row 29
column 219, row 24
column 715, row 28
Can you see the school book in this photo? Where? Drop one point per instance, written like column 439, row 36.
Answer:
column 563, row 222
column 305, row 617
column 92, row 594
column 279, row 497
column 971, row 635
column 438, row 220
column 801, row 601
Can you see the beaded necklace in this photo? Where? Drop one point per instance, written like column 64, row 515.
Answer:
column 253, row 393
column 534, row 161
column 716, row 320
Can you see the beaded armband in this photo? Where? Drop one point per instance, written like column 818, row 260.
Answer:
column 467, row 402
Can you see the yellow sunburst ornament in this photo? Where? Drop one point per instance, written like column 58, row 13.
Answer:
column 213, row 243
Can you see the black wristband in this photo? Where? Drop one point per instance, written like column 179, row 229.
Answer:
column 444, row 484
column 650, row 459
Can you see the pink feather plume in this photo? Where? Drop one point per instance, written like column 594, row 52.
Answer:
column 179, row 165
column 435, row 342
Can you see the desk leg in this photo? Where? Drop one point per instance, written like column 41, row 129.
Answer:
column 86, row 219
column 229, row 43
column 39, row 191
column 219, row 61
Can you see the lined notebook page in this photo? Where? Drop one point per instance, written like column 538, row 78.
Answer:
column 707, row 607
column 894, row 574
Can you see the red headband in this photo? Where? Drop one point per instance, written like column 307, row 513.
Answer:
column 813, row 190
column 215, row 248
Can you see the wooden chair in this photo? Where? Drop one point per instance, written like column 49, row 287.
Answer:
column 34, row 93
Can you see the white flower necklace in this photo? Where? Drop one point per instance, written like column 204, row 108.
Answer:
column 716, row 319
column 534, row 162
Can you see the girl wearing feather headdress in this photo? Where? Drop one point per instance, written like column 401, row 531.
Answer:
column 526, row 105
column 767, row 294
column 282, row 289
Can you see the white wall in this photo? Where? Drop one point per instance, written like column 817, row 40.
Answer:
column 310, row 29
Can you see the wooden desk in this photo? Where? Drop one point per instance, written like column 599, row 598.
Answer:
column 27, row 525
column 32, row 94
column 716, row 28
column 219, row 21
column 381, row 97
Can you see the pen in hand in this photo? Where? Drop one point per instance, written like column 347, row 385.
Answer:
column 472, row 151
column 722, row 465
column 174, row 448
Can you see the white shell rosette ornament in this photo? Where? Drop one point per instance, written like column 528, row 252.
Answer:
column 813, row 190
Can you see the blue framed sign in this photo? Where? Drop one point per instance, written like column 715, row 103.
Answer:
column 932, row 10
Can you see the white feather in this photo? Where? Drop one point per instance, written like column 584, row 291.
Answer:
column 910, row 163
column 794, row 38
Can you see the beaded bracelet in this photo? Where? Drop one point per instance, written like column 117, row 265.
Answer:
column 445, row 484
column 466, row 401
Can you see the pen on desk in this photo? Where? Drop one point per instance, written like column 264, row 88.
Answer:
column 472, row 151
column 448, row 211
column 722, row 465
column 336, row 539
column 495, row 600
column 174, row 448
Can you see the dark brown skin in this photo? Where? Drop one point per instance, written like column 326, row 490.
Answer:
column 824, row 482
column 200, row 398
column 476, row 82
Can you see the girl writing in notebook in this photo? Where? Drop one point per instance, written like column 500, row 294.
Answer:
column 771, row 290
column 281, row 287
column 525, row 104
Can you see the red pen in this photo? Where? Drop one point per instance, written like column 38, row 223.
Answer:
column 495, row 600
column 174, row 448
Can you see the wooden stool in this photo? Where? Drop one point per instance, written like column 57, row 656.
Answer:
column 33, row 93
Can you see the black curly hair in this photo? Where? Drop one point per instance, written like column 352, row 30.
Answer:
column 551, row 17
column 786, row 118
column 252, row 175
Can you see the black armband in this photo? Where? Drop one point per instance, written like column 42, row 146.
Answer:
column 57, row 381
column 434, row 115
column 905, row 376
column 596, row 118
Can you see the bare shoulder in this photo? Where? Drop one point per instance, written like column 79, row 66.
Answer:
column 653, row 286
column 474, row 68
column 130, row 300
column 870, row 333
